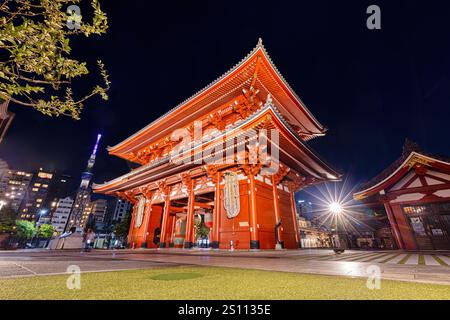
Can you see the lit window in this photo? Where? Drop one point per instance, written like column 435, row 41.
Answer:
column 45, row 175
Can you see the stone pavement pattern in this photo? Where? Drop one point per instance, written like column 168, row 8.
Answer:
column 430, row 268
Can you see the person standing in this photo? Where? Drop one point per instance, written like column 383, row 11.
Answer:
column 88, row 238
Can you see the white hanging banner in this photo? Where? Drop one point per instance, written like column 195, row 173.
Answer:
column 231, row 200
column 140, row 212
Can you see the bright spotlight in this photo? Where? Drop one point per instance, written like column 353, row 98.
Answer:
column 335, row 208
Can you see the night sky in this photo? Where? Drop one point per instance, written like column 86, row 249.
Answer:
column 372, row 89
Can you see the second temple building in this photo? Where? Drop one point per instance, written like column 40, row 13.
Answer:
column 220, row 169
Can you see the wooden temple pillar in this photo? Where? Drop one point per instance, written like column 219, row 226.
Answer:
column 254, row 236
column 216, row 177
column 394, row 225
column 147, row 213
column 190, row 234
column 251, row 170
column 276, row 206
column 293, row 186
column 172, row 233
column 165, row 221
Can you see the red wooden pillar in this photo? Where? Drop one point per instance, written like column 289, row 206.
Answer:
column 189, row 240
column 147, row 213
column 254, row 237
column 165, row 221
column 294, row 215
column 394, row 226
column 172, row 232
column 215, row 241
column 276, row 207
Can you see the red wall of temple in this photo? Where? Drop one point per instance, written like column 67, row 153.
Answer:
column 154, row 222
column 136, row 236
column 287, row 222
column 404, row 228
column 266, row 215
column 237, row 229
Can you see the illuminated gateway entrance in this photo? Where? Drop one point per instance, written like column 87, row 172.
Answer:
column 197, row 200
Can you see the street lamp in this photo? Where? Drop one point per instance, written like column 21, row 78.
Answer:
column 2, row 204
column 335, row 208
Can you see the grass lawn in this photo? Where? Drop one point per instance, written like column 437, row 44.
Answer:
column 213, row 283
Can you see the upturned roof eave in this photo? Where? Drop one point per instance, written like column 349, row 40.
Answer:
column 333, row 173
column 116, row 149
column 390, row 179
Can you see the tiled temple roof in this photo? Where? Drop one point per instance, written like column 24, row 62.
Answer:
column 166, row 159
column 118, row 148
column 408, row 148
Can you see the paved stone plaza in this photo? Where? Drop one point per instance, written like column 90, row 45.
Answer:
column 419, row 267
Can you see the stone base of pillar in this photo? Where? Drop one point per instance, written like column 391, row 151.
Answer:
column 188, row 245
column 171, row 245
column 215, row 244
column 279, row 245
column 254, row 244
column 162, row 245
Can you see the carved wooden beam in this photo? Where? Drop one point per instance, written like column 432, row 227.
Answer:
column 251, row 169
column 186, row 180
column 280, row 174
column 211, row 171
column 163, row 187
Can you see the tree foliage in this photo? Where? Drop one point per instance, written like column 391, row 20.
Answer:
column 46, row 231
column 201, row 230
column 36, row 67
column 25, row 229
column 122, row 228
column 7, row 219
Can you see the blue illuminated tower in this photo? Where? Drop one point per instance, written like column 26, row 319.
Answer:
column 80, row 211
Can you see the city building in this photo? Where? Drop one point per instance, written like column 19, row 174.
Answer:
column 415, row 193
column 246, row 202
column 79, row 214
column 98, row 211
column 13, row 187
column 312, row 236
column 3, row 167
column 61, row 214
column 119, row 209
column 305, row 209
column 60, row 187
column 34, row 203
column 43, row 192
